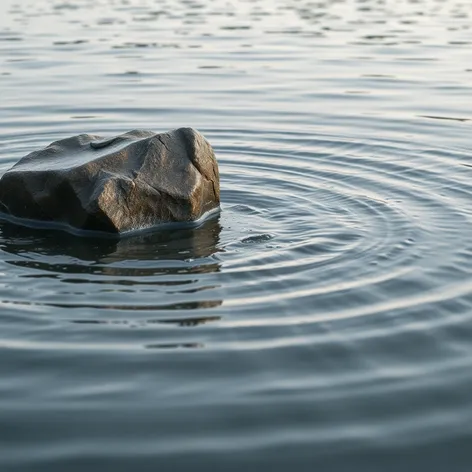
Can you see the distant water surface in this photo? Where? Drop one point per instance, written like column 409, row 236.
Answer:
column 323, row 321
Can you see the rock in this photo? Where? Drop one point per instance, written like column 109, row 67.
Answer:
column 129, row 182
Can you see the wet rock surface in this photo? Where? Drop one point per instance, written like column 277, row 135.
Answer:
column 132, row 181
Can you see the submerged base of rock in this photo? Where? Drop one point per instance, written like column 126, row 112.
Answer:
column 133, row 181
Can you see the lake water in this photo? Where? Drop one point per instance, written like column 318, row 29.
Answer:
column 323, row 321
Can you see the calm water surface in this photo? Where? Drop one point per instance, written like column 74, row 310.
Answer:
column 323, row 321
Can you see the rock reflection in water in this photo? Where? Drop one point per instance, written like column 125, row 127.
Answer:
column 169, row 270
column 112, row 256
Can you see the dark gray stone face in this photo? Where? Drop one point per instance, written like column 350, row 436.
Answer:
column 129, row 182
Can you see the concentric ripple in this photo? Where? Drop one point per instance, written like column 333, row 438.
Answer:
column 327, row 230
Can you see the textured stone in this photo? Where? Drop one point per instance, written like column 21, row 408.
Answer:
column 133, row 181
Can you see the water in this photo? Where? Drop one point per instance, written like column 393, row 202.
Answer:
column 323, row 321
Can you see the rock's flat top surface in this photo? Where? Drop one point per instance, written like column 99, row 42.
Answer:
column 128, row 182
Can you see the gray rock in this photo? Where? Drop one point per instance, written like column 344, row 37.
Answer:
column 129, row 182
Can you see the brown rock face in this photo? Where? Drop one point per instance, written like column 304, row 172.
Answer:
column 129, row 182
